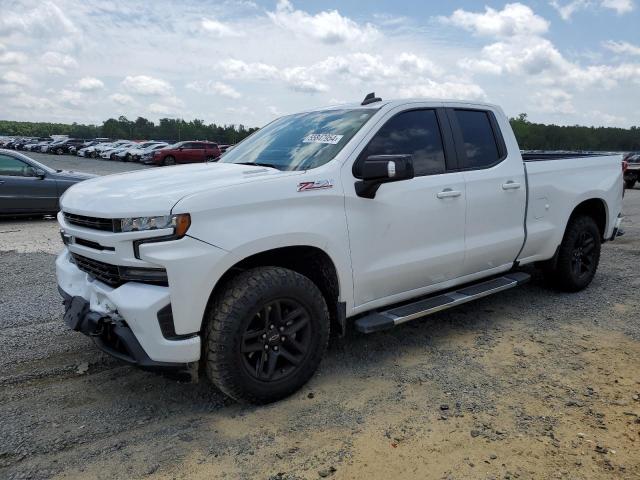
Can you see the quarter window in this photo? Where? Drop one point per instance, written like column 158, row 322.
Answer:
column 415, row 133
column 480, row 147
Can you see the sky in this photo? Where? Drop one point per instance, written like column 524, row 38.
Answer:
column 246, row 62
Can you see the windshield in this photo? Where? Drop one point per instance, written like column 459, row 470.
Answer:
column 300, row 142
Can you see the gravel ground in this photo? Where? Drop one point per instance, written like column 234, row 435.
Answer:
column 529, row 383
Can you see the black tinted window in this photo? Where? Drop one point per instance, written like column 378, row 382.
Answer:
column 479, row 141
column 414, row 133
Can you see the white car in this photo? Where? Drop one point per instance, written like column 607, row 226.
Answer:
column 365, row 216
column 105, row 152
column 136, row 151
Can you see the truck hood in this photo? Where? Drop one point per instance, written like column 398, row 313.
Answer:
column 155, row 191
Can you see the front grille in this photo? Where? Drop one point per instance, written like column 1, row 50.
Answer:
column 109, row 274
column 95, row 223
column 114, row 275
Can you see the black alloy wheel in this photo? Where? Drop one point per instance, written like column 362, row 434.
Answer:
column 583, row 261
column 276, row 341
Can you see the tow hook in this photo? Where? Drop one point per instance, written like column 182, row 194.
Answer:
column 97, row 322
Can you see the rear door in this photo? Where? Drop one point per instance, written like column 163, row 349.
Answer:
column 411, row 235
column 495, row 190
column 21, row 191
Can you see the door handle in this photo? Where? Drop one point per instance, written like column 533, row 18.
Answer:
column 448, row 193
column 510, row 185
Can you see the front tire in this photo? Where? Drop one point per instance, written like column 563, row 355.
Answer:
column 578, row 256
column 266, row 333
column 169, row 160
column 59, row 151
column 630, row 183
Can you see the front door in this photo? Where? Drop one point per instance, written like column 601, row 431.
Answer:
column 23, row 192
column 411, row 235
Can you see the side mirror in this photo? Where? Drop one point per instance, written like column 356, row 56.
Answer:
column 378, row 169
column 36, row 172
column 180, row 148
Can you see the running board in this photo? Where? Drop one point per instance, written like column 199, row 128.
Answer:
column 377, row 321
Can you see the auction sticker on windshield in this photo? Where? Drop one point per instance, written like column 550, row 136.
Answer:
column 322, row 138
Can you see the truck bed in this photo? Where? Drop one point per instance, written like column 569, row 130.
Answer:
column 540, row 156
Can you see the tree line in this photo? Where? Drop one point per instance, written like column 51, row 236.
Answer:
column 168, row 129
column 531, row 136
column 537, row 136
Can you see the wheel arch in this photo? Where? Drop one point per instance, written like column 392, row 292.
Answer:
column 595, row 208
column 310, row 261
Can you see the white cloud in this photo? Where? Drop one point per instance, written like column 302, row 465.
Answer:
column 214, row 88
column 620, row 6
column 30, row 102
column 44, row 18
column 122, row 99
column 238, row 69
column 515, row 19
column 596, row 117
column 16, row 78
column 169, row 105
column 326, row 26
column 160, row 108
column 219, row 29
column 88, row 84
column 623, row 48
column 11, row 58
column 58, row 63
column 302, row 79
column 555, row 101
column 146, row 85
column 566, row 10
column 539, row 62
column 443, row 90
column 70, row 98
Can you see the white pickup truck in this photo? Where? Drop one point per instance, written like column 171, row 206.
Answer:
column 366, row 215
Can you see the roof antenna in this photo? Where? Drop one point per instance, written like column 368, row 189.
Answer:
column 370, row 98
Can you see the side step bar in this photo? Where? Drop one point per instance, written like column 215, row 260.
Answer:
column 377, row 321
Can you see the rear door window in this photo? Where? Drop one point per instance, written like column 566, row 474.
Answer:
column 479, row 145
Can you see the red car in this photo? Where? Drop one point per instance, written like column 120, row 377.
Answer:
column 186, row 152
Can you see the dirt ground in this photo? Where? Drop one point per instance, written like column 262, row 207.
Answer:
column 529, row 383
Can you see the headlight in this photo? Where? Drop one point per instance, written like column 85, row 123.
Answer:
column 180, row 223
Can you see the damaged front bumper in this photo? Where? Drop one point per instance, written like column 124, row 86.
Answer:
column 124, row 321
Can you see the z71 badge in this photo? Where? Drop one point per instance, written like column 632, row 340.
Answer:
column 317, row 185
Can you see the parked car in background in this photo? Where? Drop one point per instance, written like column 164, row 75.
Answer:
column 37, row 144
column 146, row 155
column 187, row 152
column 64, row 146
column 27, row 187
column 632, row 172
column 134, row 152
column 107, row 153
column 97, row 150
column 48, row 148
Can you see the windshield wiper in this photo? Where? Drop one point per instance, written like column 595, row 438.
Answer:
column 259, row 164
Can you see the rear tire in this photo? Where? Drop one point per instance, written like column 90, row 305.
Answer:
column 168, row 160
column 630, row 183
column 578, row 256
column 266, row 333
